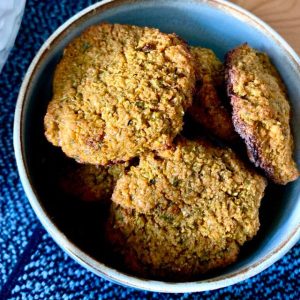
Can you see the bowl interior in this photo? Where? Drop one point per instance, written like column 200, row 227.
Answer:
column 206, row 24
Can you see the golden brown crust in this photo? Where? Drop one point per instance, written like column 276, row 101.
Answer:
column 192, row 173
column 184, row 211
column 173, row 244
column 208, row 66
column 208, row 109
column 119, row 90
column 261, row 112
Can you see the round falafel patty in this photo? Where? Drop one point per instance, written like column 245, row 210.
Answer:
column 184, row 211
column 261, row 112
column 168, row 245
column 119, row 90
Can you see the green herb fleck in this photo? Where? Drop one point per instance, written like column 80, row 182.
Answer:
column 79, row 96
column 140, row 104
column 182, row 241
column 167, row 218
column 85, row 46
column 119, row 217
column 175, row 182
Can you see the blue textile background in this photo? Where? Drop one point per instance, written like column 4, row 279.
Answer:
column 32, row 266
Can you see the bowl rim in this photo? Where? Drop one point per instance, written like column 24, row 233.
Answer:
column 84, row 259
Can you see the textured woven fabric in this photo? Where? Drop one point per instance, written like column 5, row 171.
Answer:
column 32, row 266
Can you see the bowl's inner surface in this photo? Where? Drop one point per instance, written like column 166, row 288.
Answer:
column 199, row 24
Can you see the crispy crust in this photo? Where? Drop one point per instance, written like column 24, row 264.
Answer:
column 261, row 112
column 168, row 245
column 191, row 172
column 185, row 211
column 196, row 193
column 118, row 91
column 208, row 108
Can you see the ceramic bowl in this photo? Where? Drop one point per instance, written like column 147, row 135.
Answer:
column 211, row 23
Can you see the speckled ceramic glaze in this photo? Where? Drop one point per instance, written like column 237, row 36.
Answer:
column 212, row 23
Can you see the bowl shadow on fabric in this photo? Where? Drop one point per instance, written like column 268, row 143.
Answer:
column 82, row 222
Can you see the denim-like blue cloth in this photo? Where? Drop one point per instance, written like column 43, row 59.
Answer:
column 32, row 266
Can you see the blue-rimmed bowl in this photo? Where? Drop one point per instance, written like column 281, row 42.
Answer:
column 215, row 24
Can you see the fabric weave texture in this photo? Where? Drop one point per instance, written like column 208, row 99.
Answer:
column 32, row 266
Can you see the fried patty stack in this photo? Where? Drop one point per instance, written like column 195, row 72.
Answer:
column 179, row 207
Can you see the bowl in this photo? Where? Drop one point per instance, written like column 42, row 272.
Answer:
column 210, row 23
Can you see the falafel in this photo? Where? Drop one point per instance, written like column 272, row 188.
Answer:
column 191, row 173
column 119, row 90
column 184, row 211
column 177, row 244
column 261, row 112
